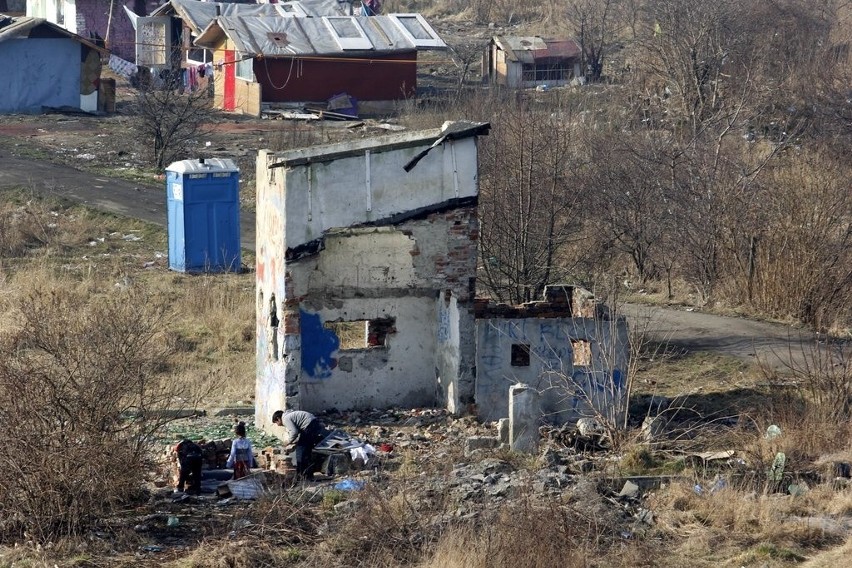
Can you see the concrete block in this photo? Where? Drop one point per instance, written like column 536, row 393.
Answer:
column 524, row 416
column 480, row 443
column 503, row 430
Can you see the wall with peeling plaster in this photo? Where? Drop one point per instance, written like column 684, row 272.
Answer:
column 550, row 369
column 346, row 234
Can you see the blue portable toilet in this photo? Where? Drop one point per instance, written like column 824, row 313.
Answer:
column 204, row 215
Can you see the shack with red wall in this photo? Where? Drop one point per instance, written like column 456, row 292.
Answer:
column 280, row 60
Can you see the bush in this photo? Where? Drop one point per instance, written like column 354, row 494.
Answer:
column 77, row 384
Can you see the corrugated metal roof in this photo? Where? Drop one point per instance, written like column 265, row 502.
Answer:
column 533, row 48
column 198, row 15
column 21, row 27
column 285, row 37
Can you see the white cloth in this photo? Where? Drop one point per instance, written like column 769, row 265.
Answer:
column 122, row 67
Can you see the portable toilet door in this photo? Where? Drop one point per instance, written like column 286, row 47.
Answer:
column 203, row 215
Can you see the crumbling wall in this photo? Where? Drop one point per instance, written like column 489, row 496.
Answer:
column 353, row 244
column 568, row 349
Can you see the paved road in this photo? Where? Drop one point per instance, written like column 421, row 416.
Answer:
column 693, row 331
column 772, row 344
column 146, row 202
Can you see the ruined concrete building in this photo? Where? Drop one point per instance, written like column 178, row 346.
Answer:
column 366, row 276
column 366, row 264
column 566, row 347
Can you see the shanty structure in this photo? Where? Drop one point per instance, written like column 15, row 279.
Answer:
column 303, row 59
column 46, row 66
column 165, row 38
column 524, row 62
column 93, row 19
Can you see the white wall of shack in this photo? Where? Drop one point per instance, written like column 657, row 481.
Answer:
column 551, row 370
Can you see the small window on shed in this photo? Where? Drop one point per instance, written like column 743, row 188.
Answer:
column 520, row 355
column 245, row 68
column 582, row 352
column 362, row 334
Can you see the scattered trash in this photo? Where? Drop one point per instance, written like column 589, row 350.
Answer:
column 344, row 104
column 132, row 237
column 719, row 485
column 363, row 453
column 698, row 489
column 775, row 472
column 172, row 521
column 589, row 427
column 250, row 487
column 350, row 484
column 646, row 516
column 773, row 432
column 85, row 156
column 152, row 548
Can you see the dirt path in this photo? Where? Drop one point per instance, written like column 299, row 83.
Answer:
column 117, row 196
column 774, row 344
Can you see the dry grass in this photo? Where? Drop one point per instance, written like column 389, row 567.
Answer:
column 743, row 526
column 46, row 243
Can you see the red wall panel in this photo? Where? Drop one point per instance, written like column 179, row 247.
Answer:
column 367, row 78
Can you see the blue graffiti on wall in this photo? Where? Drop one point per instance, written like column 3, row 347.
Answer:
column 318, row 344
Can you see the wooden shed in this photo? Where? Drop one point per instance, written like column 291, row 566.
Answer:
column 524, row 62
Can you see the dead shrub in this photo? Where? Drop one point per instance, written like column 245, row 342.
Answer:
column 812, row 401
column 529, row 535
column 78, row 395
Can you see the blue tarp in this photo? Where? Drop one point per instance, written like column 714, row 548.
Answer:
column 39, row 73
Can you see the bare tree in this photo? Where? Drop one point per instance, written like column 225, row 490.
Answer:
column 78, row 382
column 597, row 28
column 168, row 118
column 528, row 195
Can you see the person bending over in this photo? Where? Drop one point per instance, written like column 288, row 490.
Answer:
column 304, row 432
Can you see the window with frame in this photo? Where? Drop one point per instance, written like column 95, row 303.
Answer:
column 415, row 28
column 199, row 56
column 245, row 68
column 347, row 32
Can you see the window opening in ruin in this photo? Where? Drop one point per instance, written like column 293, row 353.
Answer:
column 362, row 334
column 520, row 355
column 582, row 352
column 273, row 326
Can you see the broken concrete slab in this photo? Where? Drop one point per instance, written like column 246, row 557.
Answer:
column 475, row 443
column 630, row 490
column 524, row 417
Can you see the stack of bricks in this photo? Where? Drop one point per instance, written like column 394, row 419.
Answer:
column 274, row 459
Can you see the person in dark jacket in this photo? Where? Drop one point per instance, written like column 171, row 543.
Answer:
column 304, row 432
column 189, row 460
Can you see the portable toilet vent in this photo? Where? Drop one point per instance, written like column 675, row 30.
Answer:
column 204, row 215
